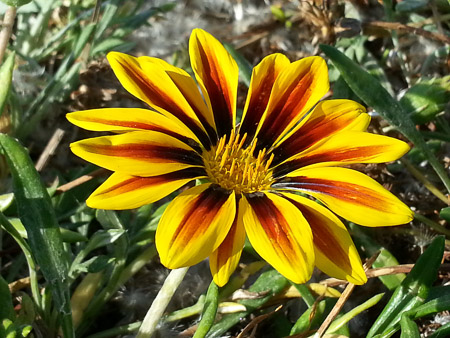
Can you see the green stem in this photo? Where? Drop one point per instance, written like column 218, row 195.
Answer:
column 160, row 303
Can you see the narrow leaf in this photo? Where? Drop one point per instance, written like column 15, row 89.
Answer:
column 209, row 311
column 413, row 291
column 6, row 72
column 271, row 282
column 6, row 305
column 409, row 328
column 245, row 68
column 344, row 319
column 374, row 95
column 38, row 217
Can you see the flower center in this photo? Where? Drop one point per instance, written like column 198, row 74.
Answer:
column 234, row 167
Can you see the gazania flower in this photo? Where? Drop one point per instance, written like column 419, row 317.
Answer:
column 286, row 143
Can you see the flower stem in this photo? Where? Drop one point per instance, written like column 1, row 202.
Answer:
column 160, row 303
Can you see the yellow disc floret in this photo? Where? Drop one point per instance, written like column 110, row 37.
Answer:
column 234, row 167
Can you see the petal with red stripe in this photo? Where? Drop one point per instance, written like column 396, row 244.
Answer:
column 224, row 260
column 194, row 225
column 263, row 79
column 349, row 194
column 298, row 87
column 138, row 153
column 217, row 74
column 278, row 232
column 159, row 91
column 188, row 88
column 345, row 148
column 335, row 253
column 121, row 120
column 122, row 191
column 327, row 118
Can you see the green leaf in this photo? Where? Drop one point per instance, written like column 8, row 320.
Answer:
column 374, row 95
column 411, row 5
column 345, row 318
column 38, row 217
column 424, row 100
column 271, row 282
column 107, row 45
column 442, row 332
column 209, row 311
column 445, row 214
column 313, row 317
column 6, row 304
column 434, row 306
column 16, row 3
column 6, row 72
column 5, row 201
column 413, row 291
column 409, row 328
column 245, row 68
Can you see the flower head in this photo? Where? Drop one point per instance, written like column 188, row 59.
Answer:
column 287, row 142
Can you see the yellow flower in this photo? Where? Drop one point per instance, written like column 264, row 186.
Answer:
column 253, row 169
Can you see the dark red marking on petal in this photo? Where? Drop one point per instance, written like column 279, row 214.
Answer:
column 356, row 154
column 323, row 238
column 293, row 100
column 273, row 223
column 200, row 214
column 177, row 78
column 137, row 182
column 146, row 126
column 349, row 192
column 147, row 151
column 218, row 95
column 225, row 250
column 310, row 133
column 259, row 98
column 164, row 101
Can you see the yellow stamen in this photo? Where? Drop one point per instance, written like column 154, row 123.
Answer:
column 234, row 167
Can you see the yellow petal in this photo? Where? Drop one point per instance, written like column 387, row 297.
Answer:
column 280, row 234
column 298, row 87
column 263, row 79
column 327, row 118
column 187, row 87
column 344, row 148
column 122, row 191
column 194, row 225
column 349, row 194
column 336, row 255
column 217, row 74
column 158, row 90
column 120, row 120
column 138, row 153
column 224, row 260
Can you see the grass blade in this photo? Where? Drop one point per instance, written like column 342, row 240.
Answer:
column 209, row 311
column 6, row 71
column 270, row 281
column 413, row 291
column 38, row 217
